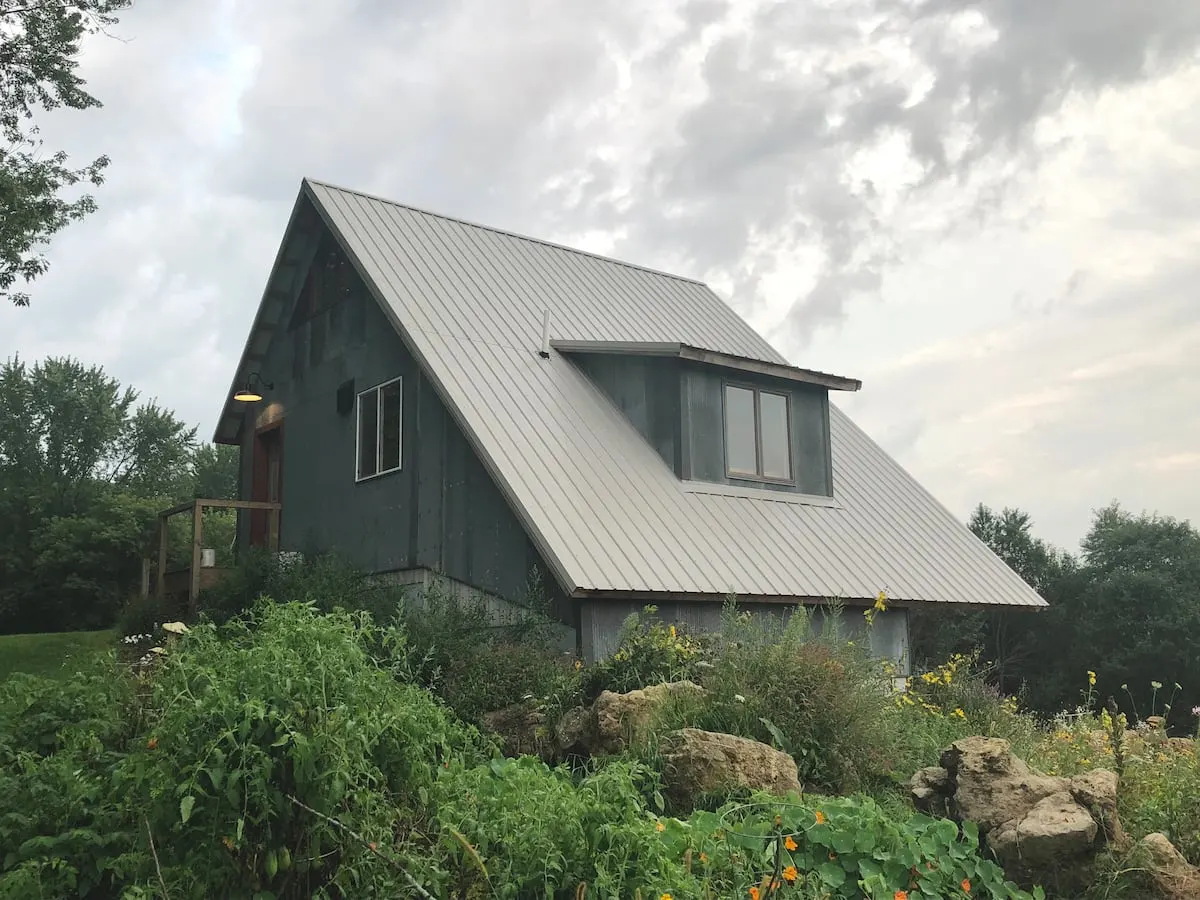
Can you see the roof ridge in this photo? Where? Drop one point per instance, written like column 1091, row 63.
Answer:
column 507, row 233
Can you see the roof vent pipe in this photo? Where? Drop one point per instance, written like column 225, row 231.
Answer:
column 544, row 353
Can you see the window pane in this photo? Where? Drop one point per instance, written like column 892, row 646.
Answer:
column 368, row 432
column 389, row 434
column 739, row 431
column 773, row 424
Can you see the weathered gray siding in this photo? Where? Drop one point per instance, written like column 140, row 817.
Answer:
column 704, row 430
column 440, row 511
column 677, row 407
column 646, row 390
column 601, row 622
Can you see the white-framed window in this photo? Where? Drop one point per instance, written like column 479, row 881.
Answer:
column 758, row 434
column 378, row 445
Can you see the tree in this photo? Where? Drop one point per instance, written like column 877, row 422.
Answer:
column 1141, row 618
column 1006, row 637
column 39, row 49
column 83, row 469
column 215, row 471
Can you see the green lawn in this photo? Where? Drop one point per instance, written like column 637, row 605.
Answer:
column 51, row 655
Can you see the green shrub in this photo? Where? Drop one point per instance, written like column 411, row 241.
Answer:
column 835, row 848
column 326, row 580
column 62, row 832
column 649, row 651
column 820, row 698
column 532, row 832
column 142, row 615
column 951, row 701
column 478, row 660
column 287, row 706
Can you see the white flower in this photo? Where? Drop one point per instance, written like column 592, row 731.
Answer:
column 739, row 698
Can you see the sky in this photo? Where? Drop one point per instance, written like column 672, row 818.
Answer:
column 989, row 212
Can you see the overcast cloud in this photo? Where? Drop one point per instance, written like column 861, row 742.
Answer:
column 985, row 210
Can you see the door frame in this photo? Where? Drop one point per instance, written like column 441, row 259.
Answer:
column 262, row 520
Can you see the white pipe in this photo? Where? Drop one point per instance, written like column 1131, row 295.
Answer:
column 544, row 353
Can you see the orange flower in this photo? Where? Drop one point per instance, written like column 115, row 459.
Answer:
column 659, row 826
column 820, row 817
column 704, row 859
column 790, row 874
column 152, row 743
column 966, row 885
column 789, row 843
column 666, row 897
column 753, row 893
column 900, row 895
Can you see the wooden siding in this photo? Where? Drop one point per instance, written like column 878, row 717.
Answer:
column 703, row 428
column 677, row 407
column 601, row 625
column 440, row 511
column 646, row 390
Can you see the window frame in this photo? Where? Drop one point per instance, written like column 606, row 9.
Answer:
column 377, row 389
column 757, row 475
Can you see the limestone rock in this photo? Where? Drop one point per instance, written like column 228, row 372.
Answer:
column 1055, row 829
column 571, row 732
column 930, row 788
column 521, row 729
column 698, row 762
column 992, row 786
column 1096, row 791
column 619, row 719
column 1173, row 876
column 1043, row 829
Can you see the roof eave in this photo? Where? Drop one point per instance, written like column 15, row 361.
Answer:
column 711, row 358
column 659, row 597
column 229, row 423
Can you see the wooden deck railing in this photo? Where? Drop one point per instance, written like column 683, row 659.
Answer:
column 196, row 508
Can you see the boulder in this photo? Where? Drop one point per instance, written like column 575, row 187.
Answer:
column 1173, row 876
column 521, row 729
column 698, row 762
column 617, row 720
column 571, row 732
column 1055, row 829
column 930, row 789
column 991, row 785
column 1042, row 829
column 1096, row 791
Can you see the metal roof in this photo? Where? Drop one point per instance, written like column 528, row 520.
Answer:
column 609, row 516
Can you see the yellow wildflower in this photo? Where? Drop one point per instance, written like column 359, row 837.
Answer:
column 1091, row 678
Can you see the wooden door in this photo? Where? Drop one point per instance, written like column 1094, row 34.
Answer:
column 267, row 484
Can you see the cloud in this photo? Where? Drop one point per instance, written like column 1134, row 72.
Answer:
column 984, row 209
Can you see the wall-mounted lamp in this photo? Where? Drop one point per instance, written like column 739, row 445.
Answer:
column 247, row 393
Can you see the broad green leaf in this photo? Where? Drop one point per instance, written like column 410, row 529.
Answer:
column 185, row 808
column 832, row 874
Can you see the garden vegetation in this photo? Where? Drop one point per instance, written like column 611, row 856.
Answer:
column 323, row 742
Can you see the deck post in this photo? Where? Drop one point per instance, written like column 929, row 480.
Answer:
column 193, row 589
column 161, row 590
column 145, row 590
column 197, row 543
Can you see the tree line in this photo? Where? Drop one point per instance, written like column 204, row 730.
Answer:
column 1125, row 609
column 85, row 466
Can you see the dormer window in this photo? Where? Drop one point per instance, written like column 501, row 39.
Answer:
column 757, row 434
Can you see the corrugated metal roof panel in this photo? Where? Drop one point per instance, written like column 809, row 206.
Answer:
column 608, row 514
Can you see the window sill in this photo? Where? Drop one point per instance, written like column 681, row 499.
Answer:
column 359, row 479
column 753, row 493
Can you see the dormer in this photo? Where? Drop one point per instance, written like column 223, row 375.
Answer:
column 720, row 419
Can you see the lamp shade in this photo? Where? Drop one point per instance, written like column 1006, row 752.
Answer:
column 247, row 393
